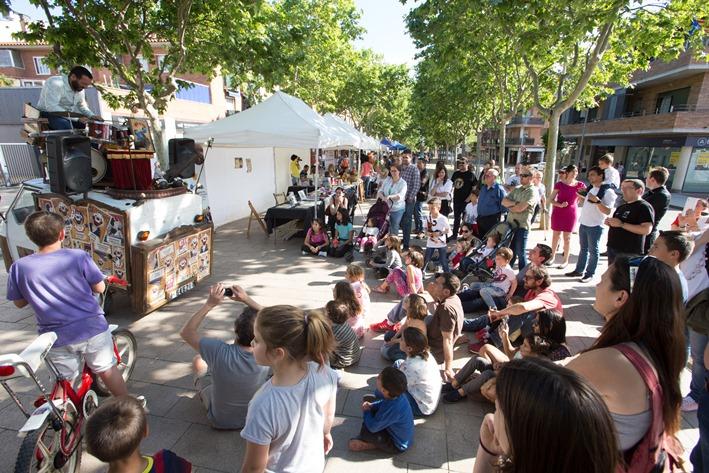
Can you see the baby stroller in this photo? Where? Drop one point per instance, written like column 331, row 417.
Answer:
column 378, row 212
column 480, row 269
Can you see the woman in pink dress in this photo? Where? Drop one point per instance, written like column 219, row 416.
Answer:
column 563, row 215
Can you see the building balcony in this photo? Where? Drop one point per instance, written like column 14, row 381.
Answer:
column 682, row 119
column 526, row 121
column 519, row 141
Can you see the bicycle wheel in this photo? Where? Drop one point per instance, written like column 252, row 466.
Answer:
column 127, row 347
column 41, row 449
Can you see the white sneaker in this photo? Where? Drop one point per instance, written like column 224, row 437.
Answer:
column 562, row 266
column 586, row 279
column 303, row 253
column 689, row 404
column 322, row 253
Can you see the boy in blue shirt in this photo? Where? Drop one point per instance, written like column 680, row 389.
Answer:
column 388, row 421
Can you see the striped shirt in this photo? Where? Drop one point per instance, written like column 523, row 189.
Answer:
column 347, row 351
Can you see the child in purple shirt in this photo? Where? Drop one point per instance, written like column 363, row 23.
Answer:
column 59, row 284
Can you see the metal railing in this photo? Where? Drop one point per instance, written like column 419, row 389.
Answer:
column 18, row 163
column 526, row 121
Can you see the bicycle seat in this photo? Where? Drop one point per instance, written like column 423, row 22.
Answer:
column 14, row 365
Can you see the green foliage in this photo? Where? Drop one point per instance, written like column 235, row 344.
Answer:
column 6, row 81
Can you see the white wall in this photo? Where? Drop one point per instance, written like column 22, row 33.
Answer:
column 229, row 189
column 283, row 165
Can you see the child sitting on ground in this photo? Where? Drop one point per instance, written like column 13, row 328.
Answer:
column 316, row 240
column 355, row 275
column 113, row 435
column 388, row 423
column 422, row 375
column 409, row 281
column 392, row 244
column 347, row 350
column 344, row 293
column 414, row 312
column 369, row 236
column 462, row 249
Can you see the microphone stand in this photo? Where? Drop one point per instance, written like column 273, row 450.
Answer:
column 199, row 176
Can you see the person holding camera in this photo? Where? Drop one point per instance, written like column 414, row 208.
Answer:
column 225, row 374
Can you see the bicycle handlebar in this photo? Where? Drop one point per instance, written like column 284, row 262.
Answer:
column 116, row 280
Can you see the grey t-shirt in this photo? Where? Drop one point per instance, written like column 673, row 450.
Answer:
column 235, row 379
column 291, row 420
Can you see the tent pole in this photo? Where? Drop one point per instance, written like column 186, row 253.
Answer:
column 317, row 181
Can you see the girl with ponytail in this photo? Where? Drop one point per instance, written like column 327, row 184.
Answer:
column 289, row 419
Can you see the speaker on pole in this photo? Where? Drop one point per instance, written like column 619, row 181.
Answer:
column 182, row 157
column 69, row 163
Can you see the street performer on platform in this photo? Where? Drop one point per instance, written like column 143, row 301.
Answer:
column 63, row 97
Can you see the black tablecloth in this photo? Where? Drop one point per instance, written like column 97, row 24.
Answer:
column 283, row 213
column 295, row 189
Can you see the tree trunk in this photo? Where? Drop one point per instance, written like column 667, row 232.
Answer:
column 552, row 139
column 503, row 137
column 479, row 150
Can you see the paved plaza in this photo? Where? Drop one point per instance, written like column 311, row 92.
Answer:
column 278, row 274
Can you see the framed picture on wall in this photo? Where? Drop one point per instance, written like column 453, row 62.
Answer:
column 238, row 163
column 140, row 129
column 248, row 165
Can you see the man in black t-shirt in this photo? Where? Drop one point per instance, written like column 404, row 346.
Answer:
column 631, row 222
column 659, row 197
column 463, row 182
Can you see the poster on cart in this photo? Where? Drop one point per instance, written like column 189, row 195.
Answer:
column 172, row 265
column 93, row 227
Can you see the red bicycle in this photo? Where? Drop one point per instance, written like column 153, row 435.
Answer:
column 53, row 430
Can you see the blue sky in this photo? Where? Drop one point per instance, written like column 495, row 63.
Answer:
column 386, row 30
column 383, row 19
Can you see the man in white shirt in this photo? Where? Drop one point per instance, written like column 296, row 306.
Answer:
column 63, row 96
column 593, row 215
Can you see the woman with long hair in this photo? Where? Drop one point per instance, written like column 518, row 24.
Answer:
column 531, row 430
column 642, row 307
column 564, row 210
column 442, row 187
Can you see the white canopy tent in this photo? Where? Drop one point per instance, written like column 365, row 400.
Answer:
column 251, row 150
column 365, row 141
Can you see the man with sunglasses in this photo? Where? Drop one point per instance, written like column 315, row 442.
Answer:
column 520, row 204
column 631, row 222
column 539, row 296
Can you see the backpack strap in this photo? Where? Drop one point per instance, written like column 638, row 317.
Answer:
column 657, row 428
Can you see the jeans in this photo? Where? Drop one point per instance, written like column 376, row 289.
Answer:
column 589, row 237
column 519, row 247
column 395, row 221
column 366, row 180
column 458, row 208
column 442, row 257
column 392, row 352
column 478, row 323
column 697, row 344
column 487, row 292
column 700, row 454
column 613, row 254
column 418, row 217
column 60, row 123
column 406, row 223
column 471, row 302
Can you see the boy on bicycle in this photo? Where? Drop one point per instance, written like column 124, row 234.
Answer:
column 59, row 283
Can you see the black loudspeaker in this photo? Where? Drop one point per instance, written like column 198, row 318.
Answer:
column 69, row 163
column 182, row 158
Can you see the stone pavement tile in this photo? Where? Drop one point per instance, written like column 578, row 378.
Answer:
column 343, row 429
column 11, row 314
column 11, row 417
column 467, row 407
column 340, row 399
column 689, row 420
column 356, row 462
column 462, row 434
column 357, row 377
column 436, row 421
column 170, row 373
column 429, row 449
column 412, row 467
column 219, row 450
column 163, row 433
column 353, row 404
column 160, row 398
column 9, row 447
column 372, row 359
column 207, row 470
column 190, row 409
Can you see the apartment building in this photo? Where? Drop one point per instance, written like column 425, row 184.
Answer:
column 523, row 140
column 662, row 119
column 206, row 100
